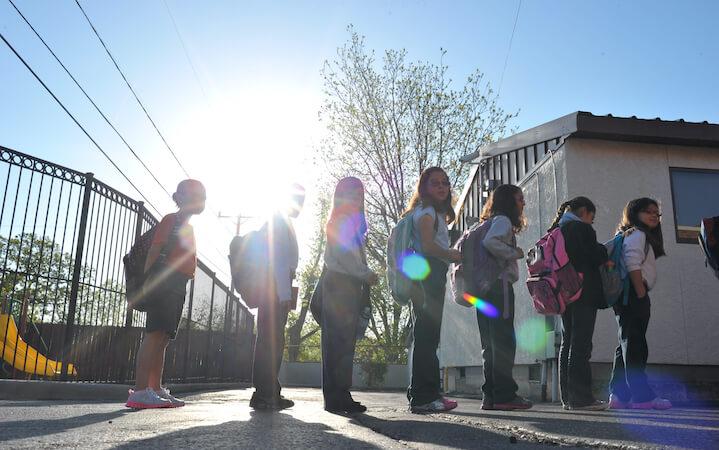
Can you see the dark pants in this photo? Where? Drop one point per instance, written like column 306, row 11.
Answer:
column 629, row 378
column 499, row 346
column 427, row 308
column 575, row 373
column 269, row 347
column 341, row 303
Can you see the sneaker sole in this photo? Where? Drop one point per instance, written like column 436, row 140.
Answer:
column 135, row 405
column 589, row 408
column 500, row 407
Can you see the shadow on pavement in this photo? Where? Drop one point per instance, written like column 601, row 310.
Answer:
column 654, row 428
column 263, row 430
column 439, row 432
column 22, row 429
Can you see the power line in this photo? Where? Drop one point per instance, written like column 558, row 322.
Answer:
column 184, row 48
column 509, row 49
column 97, row 108
column 76, row 121
column 137, row 98
column 107, row 50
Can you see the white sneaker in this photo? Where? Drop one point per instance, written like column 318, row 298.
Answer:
column 164, row 393
column 146, row 399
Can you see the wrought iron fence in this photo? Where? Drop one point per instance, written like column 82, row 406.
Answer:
column 63, row 313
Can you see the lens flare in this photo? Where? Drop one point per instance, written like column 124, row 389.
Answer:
column 485, row 308
column 532, row 334
column 414, row 266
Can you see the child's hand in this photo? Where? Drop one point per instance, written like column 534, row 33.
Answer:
column 610, row 264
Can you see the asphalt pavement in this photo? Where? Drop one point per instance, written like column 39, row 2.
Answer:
column 223, row 419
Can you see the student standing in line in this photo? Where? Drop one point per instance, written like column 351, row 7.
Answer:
column 174, row 239
column 345, row 292
column 629, row 386
column 575, row 218
column 505, row 208
column 431, row 209
column 272, row 312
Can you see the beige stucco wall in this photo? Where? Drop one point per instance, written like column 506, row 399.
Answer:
column 684, row 328
column 685, row 302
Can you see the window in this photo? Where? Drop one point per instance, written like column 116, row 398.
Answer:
column 694, row 194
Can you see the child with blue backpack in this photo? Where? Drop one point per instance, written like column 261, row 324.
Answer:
column 643, row 244
column 575, row 218
column 505, row 208
column 431, row 210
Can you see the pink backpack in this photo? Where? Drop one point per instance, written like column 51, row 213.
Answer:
column 553, row 282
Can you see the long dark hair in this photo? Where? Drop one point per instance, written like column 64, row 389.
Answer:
column 573, row 206
column 630, row 219
column 502, row 201
column 344, row 222
column 421, row 196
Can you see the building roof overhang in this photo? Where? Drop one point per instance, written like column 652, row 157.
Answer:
column 586, row 125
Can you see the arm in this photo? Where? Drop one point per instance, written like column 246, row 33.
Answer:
column 634, row 257
column 159, row 240
column 498, row 240
column 429, row 247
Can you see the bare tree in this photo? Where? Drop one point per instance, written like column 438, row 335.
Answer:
column 388, row 120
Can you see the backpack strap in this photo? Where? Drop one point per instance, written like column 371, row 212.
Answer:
column 172, row 239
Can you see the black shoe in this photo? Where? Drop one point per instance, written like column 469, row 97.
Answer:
column 272, row 404
column 350, row 407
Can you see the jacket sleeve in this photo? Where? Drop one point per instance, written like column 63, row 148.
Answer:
column 634, row 250
column 594, row 252
column 498, row 240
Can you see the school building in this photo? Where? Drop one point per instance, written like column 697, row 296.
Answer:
column 610, row 160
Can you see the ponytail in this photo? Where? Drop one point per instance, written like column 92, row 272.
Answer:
column 573, row 205
column 560, row 212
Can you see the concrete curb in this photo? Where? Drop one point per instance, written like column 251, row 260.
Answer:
column 56, row 390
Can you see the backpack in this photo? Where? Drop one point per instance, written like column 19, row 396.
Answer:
column 479, row 270
column 135, row 275
column 250, row 266
column 709, row 242
column 553, row 281
column 613, row 283
column 400, row 247
column 136, row 292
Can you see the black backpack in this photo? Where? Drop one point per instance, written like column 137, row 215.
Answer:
column 135, row 275
column 709, row 242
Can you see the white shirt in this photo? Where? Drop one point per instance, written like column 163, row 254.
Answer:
column 441, row 236
column 635, row 257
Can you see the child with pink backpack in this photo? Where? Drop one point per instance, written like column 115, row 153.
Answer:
column 574, row 220
column 505, row 210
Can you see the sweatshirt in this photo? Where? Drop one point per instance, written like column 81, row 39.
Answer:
column 346, row 257
column 586, row 255
column 501, row 243
column 640, row 256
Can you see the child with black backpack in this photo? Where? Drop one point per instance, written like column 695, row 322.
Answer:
column 643, row 244
column 171, row 263
column 575, row 218
column 505, row 208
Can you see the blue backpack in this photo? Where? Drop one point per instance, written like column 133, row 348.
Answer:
column 615, row 280
column 400, row 246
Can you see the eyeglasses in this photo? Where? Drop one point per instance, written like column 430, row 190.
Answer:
column 436, row 184
column 652, row 213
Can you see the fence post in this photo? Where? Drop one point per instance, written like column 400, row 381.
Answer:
column 209, row 360
column 77, row 272
column 187, row 333
column 126, row 343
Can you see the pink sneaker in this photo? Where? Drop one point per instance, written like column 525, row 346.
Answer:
column 449, row 404
column 616, row 403
column 657, row 403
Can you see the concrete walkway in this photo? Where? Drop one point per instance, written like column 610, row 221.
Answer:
column 224, row 420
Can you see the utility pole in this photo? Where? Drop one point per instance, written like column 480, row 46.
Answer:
column 237, row 219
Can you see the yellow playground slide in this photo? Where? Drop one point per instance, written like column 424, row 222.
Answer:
column 24, row 357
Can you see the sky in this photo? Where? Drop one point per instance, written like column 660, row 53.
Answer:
column 240, row 106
